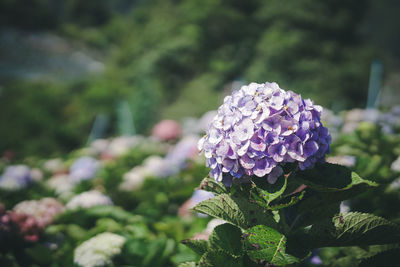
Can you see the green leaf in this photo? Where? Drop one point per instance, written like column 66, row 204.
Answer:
column 247, row 262
column 86, row 217
column 198, row 246
column 40, row 253
column 333, row 178
column 214, row 258
column 315, row 213
column 227, row 237
column 344, row 261
column 287, row 201
column 210, row 185
column 76, row 232
column 353, row 228
column 159, row 251
column 323, row 196
column 263, row 193
column 187, row 264
column 266, row 244
column 376, row 249
column 236, row 210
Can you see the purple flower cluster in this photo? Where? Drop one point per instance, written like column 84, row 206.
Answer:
column 84, row 168
column 15, row 177
column 261, row 127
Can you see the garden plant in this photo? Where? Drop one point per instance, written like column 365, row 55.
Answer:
column 279, row 198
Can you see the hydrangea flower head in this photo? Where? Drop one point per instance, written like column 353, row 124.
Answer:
column 84, row 168
column 260, row 128
column 167, row 130
column 43, row 210
column 89, row 199
column 99, row 250
column 15, row 177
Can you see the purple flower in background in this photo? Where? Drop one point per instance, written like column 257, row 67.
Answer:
column 186, row 148
column 259, row 129
column 200, row 195
column 197, row 197
column 84, row 168
column 314, row 259
column 15, row 177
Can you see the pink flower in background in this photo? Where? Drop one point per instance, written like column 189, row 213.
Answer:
column 167, row 130
column 28, row 218
column 42, row 211
column 25, row 226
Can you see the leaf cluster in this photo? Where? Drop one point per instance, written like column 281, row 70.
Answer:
column 282, row 224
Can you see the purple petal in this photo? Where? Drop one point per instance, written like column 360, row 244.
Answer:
column 243, row 149
column 247, row 162
column 262, row 167
column 310, row 148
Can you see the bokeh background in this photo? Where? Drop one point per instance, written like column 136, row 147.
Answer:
column 102, row 104
column 72, row 71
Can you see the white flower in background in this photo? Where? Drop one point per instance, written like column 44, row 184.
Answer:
column 89, row 199
column 209, row 229
column 61, row 184
column 205, row 120
column 212, row 224
column 134, row 179
column 99, row 146
column 153, row 166
column 121, row 145
column 186, row 148
column 15, row 177
column 371, row 115
column 54, row 165
column 36, row 175
column 84, row 168
column 99, row 250
column 344, row 206
column 345, row 160
column 332, row 121
column 395, row 185
column 355, row 116
column 175, row 160
column 189, row 126
column 159, row 167
column 198, row 126
column 396, row 165
column 43, row 211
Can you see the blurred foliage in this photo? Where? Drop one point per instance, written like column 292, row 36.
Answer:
column 173, row 58
column 374, row 151
column 146, row 217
